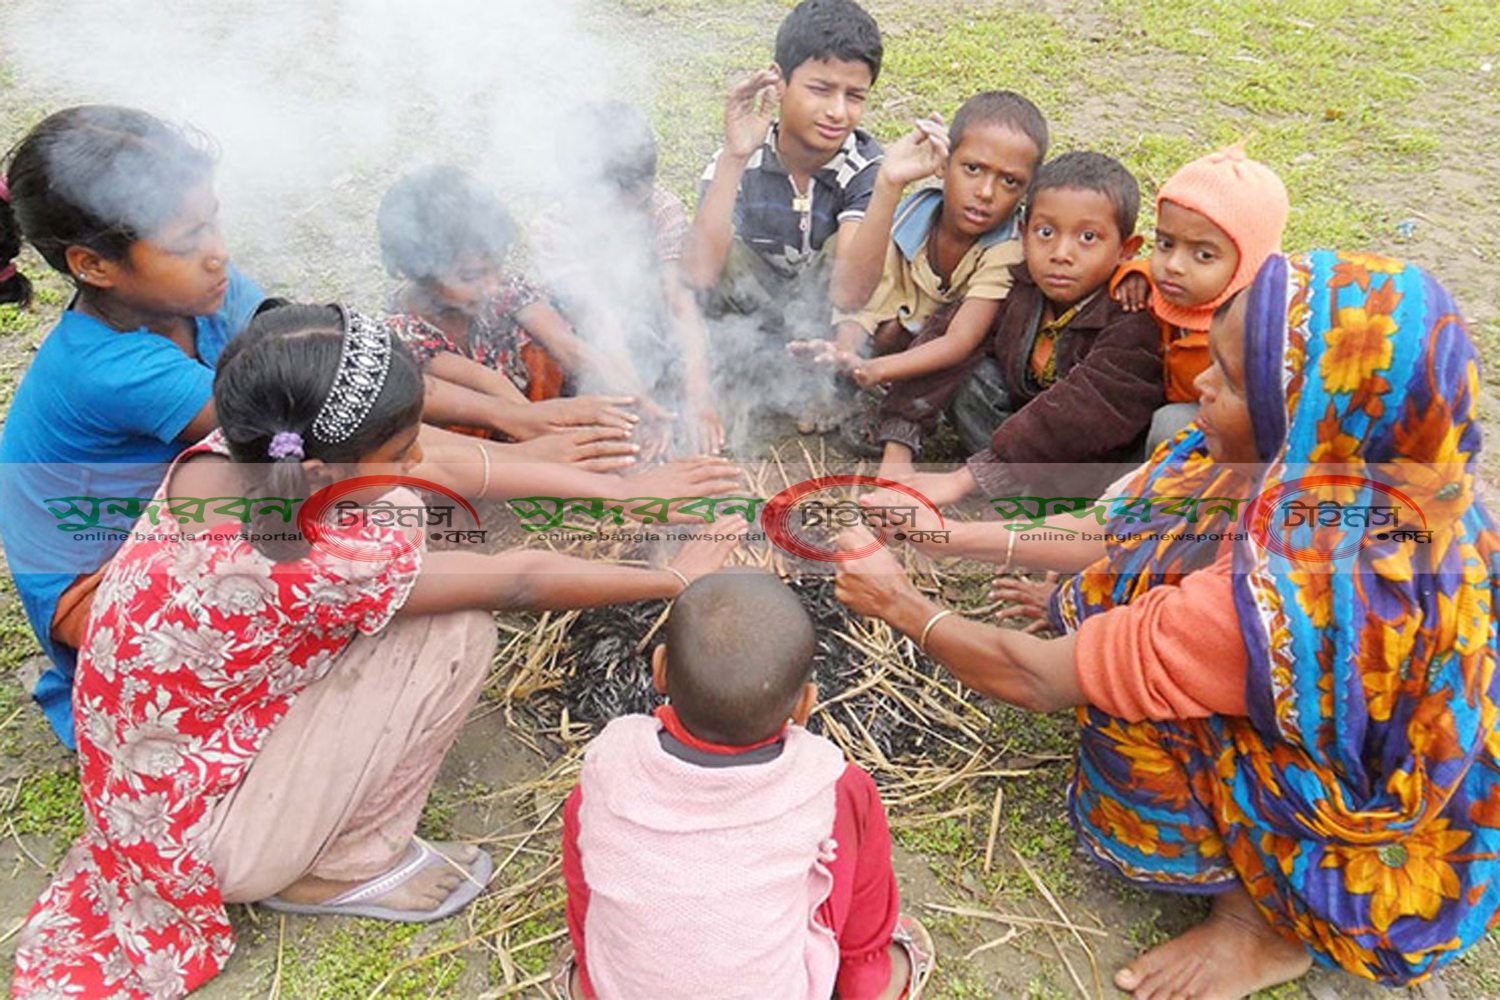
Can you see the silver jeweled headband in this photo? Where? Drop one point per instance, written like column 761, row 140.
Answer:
column 363, row 366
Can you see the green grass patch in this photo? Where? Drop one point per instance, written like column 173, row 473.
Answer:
column 49, row 804
column 957, row 979
column 944, row 56
column 17, row 644
column 351, row 958
column 438, row 814
column 946, row 838
column 1320, row 92
column 1045, row 987
column 1487, row 339
column 549, row 917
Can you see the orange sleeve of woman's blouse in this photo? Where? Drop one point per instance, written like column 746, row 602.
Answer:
column 1173, row 653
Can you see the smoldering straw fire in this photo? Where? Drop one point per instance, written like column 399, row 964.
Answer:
column 880, row 699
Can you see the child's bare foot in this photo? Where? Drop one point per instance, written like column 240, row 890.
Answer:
column 427, row 889
column 1231, row 954
column 896, row 462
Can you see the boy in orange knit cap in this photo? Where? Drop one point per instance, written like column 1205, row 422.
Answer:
column 1217, row 220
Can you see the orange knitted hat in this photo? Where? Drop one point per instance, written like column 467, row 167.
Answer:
column 1242, row 197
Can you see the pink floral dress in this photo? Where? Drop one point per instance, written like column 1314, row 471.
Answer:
column 196, row 648
column 496, row 336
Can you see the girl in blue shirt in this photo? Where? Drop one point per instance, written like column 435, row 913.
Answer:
column 123, row 204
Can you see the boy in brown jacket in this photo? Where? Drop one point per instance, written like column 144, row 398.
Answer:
column 1068, row 378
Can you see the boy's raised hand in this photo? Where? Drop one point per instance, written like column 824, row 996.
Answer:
column 866, row 372
column 871, row 372
column 920, row 153
column 748, row 112
column 825, row 354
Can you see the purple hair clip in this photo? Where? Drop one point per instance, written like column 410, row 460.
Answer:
column 286, row 444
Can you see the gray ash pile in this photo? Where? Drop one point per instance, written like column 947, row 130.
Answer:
column 880, row 699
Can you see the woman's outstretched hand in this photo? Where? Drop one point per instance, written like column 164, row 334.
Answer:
column 1029, row 600
column 874, row 584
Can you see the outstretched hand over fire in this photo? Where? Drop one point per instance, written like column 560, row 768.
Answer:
column 874, row 584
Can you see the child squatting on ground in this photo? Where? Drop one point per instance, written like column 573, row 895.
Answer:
column 261, row 718
column 496, row 354
column 784, row 196
column 1068, row 378
column 122, row 205
column 611, row 254
column 1217, row 220
column 936, row 266
column 720, row 850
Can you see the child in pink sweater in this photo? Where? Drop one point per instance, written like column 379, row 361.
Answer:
column 718, row 849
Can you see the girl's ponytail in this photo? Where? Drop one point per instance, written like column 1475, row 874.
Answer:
column 14, row 286
column 281, row 476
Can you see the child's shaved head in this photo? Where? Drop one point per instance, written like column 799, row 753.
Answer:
column 739, row 650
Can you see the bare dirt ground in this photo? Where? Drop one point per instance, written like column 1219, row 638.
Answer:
column 1377, row 116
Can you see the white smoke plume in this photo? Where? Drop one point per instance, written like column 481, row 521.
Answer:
column 317, row 107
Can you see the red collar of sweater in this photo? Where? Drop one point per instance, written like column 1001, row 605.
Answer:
column 667, row 716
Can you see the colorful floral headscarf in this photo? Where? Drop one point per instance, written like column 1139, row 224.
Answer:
column 1360, row 801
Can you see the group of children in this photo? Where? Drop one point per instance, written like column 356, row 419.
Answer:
column 1007, row 298
column 717, row 849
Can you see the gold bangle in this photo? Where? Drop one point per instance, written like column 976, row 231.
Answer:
column 679, row 574
column 927, row 629
column 1010, row 551
column 485, row 485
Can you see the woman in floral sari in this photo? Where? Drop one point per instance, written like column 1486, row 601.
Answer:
column 1308, row 738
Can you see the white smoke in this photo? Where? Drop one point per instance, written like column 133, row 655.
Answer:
column 317, row 106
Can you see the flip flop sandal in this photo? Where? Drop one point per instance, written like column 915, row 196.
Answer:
column 419, row 857
column 920, row 954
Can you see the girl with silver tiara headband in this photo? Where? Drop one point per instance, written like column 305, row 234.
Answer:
column 301, row 695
